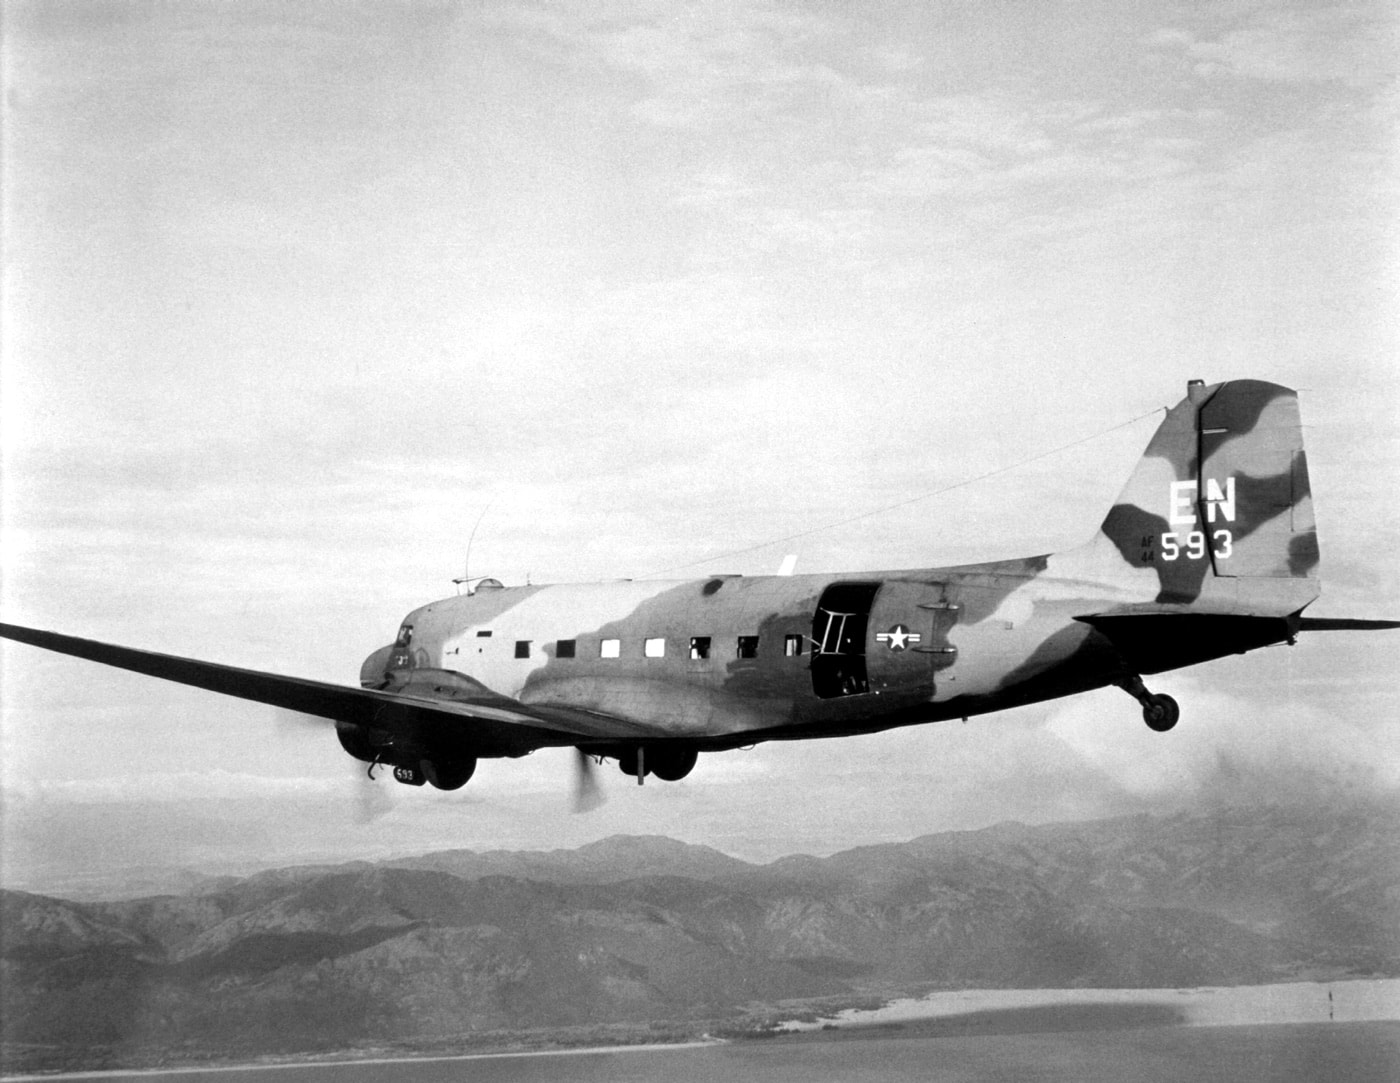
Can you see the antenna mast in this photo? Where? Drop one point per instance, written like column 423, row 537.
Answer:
column 466, row 576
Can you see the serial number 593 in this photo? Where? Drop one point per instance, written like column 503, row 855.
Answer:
column 1195, row 545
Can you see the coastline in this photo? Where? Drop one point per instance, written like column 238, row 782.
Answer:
column 950, row 1011
column 348, row 1061
column 1350, row 1001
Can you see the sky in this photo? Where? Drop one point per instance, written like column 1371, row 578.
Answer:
column 297, row 297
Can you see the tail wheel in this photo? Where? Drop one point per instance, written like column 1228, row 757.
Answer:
column 1160, row 712
column 448, row 774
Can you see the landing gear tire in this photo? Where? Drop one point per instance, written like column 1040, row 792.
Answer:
column 667, row 764
column 448, row 774
column 671, row 765
column 1160, row 712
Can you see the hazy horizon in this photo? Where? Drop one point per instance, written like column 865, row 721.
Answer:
column 118, row 870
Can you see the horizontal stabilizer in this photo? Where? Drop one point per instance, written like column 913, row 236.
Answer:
column 1155, row 642
column 1344, row 624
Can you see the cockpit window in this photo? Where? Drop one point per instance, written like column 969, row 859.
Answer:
column 405, row 636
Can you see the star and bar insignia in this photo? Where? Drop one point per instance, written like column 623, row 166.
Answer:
column 898, row 637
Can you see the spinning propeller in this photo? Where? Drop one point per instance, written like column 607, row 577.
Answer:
column 588, row 795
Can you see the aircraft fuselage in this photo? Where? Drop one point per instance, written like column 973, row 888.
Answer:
column 724, row 660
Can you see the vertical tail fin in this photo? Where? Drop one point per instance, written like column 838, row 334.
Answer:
column 1221, row 493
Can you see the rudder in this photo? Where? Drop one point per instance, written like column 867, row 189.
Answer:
column 1254, row 467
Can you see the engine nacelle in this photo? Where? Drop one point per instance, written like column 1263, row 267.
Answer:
column 361, row 743
column 449, row 772
column 374, row 671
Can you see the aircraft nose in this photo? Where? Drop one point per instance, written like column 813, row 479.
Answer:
column 374, row 672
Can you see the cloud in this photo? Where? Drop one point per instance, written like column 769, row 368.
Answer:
column 1007, row 170
column 1231, row 749
column 1169, row 37
column 215, row 784
column 1353, row 44
column 698, row 67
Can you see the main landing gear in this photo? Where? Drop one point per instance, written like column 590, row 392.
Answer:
column 410, row 766
column 443, row 774
column 1159, row 711
column 670, row 764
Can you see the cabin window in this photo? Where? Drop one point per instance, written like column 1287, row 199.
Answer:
column 654, row 648
column 610, row 648
column 792, row 646
column 748, row 647
column 699, row 647
column 483, row 633
column 566, row 648
column 522, row 648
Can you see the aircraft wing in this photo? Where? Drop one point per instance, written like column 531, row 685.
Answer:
column 489, row 723
column 1344, row 624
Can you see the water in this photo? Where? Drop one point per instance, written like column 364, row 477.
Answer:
column 1291, row 1033
column 1289, row 1053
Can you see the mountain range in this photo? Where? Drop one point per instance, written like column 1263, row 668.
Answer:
column 442, row 949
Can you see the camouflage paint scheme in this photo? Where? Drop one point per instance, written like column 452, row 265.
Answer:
column 990, row 636
column 1210, row 550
